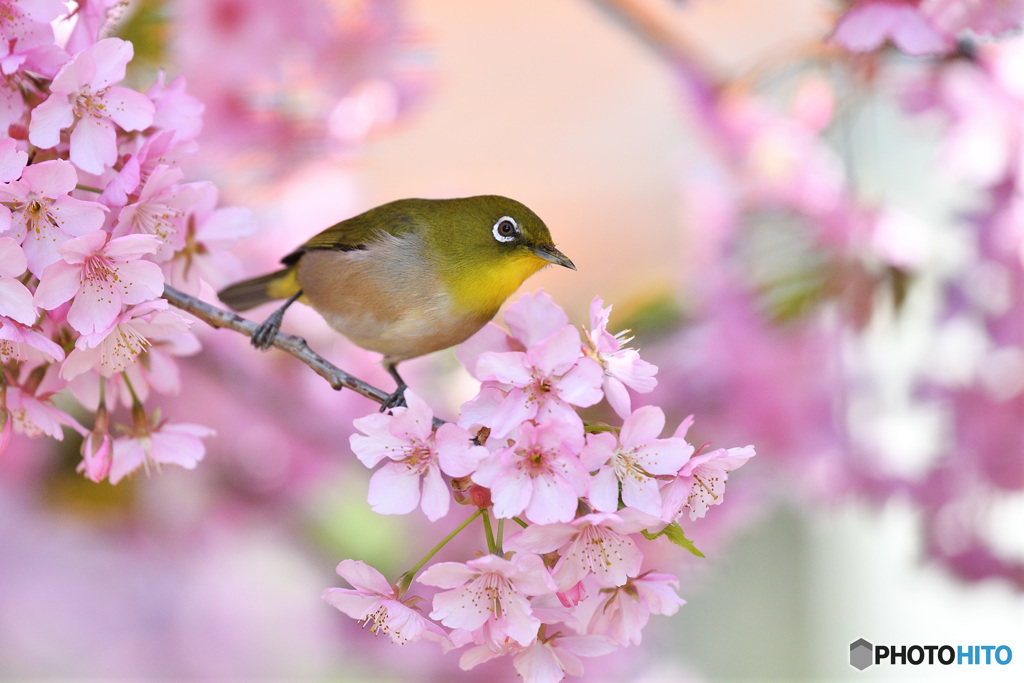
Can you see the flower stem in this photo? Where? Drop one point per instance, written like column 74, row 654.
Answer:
column 405, row 580
column 492, row 547
column 131, row 390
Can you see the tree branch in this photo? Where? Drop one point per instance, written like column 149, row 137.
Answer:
column 296, row 346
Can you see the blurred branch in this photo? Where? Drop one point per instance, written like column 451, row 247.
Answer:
column 296, row 346
column 639, row 20
column 695, row 75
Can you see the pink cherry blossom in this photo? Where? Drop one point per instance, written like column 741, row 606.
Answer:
column 160, row 210
column 176, row 110
column 25, row 27
column 622, row 365
column 544, row 382
column 539, row 474
column 90, row 16
column 633, row 462
column 33, row 413
column 15, row 298
column 419, row 455
column 550, row 659
column 152, row 444
column 20, row 342
column 595, row 545
column 97, row 449
column 623, row 614
column 102, row 275
column 111, row 351
column 376, row 604
column 701, row 481
column 83, row 98
column 490, row 589
column 869, row 23
column 158, row 372
column 209, row 235
column 43, row 215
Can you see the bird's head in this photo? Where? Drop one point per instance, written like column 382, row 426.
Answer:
column 486, row 246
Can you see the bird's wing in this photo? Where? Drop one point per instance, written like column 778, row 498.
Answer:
column 357, row 232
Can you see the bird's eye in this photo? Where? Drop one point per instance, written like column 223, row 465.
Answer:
column 505, row 229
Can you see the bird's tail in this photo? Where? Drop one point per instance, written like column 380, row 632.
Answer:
column 247, row 294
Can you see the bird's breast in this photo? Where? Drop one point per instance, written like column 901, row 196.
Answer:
column 386, row 298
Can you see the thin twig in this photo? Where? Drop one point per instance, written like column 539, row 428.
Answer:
column 296, row 346
column 649, row 29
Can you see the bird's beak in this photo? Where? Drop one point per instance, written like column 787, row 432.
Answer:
column 549, row 253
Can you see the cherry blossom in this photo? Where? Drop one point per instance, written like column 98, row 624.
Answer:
column 701, row 481
column 539, row 474
column 552, row 658
column 154, row 443
column 209, row 235
column 595, row 545
column 419, row 455
column 113, row 350
column 490, row 589
column 177, row 111
column 544, row 382
column 25, row 27
column 623, row 611
column 622, row 365
column 375, row 603
column 160, row 210
column 21, row 342
column 97, row 448
column 41, row 212
column 102, row 275
column 633, row 462
column 84, row 98
column 33, row 413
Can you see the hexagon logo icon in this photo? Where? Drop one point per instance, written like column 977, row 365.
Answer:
column 861, row 654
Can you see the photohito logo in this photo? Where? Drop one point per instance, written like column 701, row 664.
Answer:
column 863, row 654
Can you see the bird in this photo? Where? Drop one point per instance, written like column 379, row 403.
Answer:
column 409, row 277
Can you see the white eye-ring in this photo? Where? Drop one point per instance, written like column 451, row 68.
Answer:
column 505, row 229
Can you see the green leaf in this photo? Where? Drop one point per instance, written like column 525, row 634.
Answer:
column 674, row 533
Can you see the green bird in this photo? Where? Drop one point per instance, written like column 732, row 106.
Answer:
column 409, row 277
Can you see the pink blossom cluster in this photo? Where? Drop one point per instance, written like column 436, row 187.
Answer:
column 982, row 101
column 336, row 74
column 806, row 266
column 973, row 84
column 570, row 582
column 924, row 27
column 95, row 217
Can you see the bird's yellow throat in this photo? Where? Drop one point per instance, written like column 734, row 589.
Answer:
column 481, row 288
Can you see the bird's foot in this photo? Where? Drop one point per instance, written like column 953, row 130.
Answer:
column 263, row 335
column 395, row 399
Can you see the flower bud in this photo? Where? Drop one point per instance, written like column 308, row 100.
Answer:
column 96, row 448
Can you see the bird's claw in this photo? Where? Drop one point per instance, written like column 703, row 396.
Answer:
column 263, row 335
column 396, row 399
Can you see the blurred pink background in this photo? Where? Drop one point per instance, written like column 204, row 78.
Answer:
column 215, row 574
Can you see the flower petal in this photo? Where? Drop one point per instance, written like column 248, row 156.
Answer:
column 394, row 490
